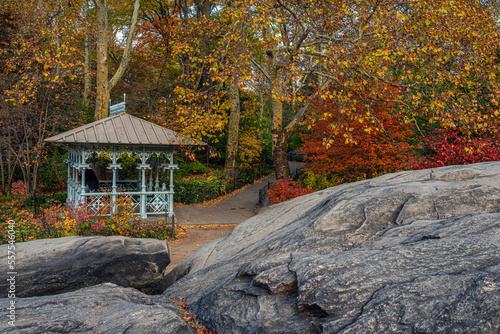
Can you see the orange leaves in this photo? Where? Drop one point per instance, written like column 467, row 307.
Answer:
column 366, row 140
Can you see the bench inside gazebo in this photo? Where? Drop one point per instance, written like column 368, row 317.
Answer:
column 115, row 136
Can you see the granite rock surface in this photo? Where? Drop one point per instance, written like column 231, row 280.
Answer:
column 52, row 266
column 409, row 252
column 101, row 309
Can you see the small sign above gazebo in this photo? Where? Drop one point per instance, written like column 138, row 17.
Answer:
column 113, row 137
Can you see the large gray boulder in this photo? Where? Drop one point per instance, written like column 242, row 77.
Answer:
column 105, row 308
column 51, row 266
column 410, row 252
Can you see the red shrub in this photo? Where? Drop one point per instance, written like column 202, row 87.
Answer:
column 283, row 190
column 450, row 147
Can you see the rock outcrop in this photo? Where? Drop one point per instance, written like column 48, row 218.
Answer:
column 101, row 309
column 410, row 252
column 51, row 266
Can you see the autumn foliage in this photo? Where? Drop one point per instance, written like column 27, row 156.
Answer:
column 451, row 147
column 284, row 189
column 354, row 144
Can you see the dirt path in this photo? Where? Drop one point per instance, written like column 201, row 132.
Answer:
column 196, row 237
column 196, row 219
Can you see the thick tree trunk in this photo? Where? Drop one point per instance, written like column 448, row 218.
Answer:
column 86, row 70
column 102, row 99
column 280, row 159
column 231, row 167
column 279, row 138
column 103, row 85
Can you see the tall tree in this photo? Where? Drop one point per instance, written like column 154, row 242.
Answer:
column 440, row 53
column 87, row 54
column 37, row 81
column 207, row 89
column 104, row 84
column 230, row 166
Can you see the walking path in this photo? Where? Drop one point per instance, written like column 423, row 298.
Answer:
column 232, row 210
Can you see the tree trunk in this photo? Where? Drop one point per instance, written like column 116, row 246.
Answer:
column 279, row 138
column 4, row 188
column 280, row 160
column 58, row 38
column 11, row 165
column 102, row 99
column 7, row 170
column 230, row 167
column 103, row 85
column 86, row 70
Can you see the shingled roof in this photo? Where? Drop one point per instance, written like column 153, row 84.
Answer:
column 123, row 129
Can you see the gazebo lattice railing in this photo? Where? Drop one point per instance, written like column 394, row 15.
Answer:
column 114, row 137
column 145, row 197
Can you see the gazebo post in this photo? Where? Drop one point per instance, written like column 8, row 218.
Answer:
column 170, row 195
column 143, row 192
column 150, row 186
column 114, row 166
column 142, row 167
column 68, row 180
column 68, row 199
column 83, row 167
column 73, row 185
column 76, row 179
column 172, row 167
column 157, row 181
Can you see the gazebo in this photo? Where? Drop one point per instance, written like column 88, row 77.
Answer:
column 113, row 137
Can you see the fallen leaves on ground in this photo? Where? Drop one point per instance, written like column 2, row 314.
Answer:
column 190, row 318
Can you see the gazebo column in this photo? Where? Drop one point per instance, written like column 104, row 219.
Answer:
column 150, row 185
column 170, row 198
column 76, row 178
column 143, row 167
column 69, row 194
column 170, row 211
column 70, row 199
column 157, row 181
column 114, row 166
column 74, row 181
column 82, row 167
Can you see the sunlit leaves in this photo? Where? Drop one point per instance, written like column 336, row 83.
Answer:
column 364, row 141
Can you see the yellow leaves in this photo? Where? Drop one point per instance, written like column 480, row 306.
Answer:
column 402, row 16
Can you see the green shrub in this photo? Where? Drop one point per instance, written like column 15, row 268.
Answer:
column 198, row 190
column 192, row 168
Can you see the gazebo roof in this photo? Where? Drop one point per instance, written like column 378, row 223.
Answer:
column 123, row 129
